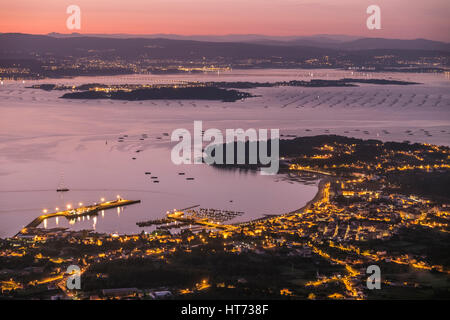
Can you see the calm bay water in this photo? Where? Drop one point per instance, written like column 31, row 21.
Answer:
column 42, row 137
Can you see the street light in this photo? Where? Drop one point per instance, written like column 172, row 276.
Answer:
column 44, row 211
column 102, row 199
column 69, row 206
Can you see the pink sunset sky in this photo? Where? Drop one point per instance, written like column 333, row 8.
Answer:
column 405, row 19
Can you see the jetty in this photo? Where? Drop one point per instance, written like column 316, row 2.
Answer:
column 77, row 212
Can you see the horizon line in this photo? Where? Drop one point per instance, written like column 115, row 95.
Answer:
column 220, row 35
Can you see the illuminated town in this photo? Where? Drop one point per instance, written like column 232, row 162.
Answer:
column 225, row 159
column 44, row 68
column 359, row 217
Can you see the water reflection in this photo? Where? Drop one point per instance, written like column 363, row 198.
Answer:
column 31, row 162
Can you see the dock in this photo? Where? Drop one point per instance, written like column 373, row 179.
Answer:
column 180, row 217
column 78, row 212
column 161, row 221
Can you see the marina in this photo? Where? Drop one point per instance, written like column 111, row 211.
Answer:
column 209, row 218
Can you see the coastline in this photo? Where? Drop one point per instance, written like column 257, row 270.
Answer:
column 321, row 187
column 319, row 194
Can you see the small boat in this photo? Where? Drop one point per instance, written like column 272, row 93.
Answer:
column 61, row 187
column 181, row 173
column 148, row 172
column 189, row 178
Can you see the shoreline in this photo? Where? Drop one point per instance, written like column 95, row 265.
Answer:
column 321, row 186
column 319, row 194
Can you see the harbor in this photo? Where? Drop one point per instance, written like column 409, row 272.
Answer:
column 208, row 218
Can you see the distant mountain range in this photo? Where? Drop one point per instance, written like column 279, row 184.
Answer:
column 16, row 45
column 22, row 45
column 26, row 56
column 341, row 42
column 17, row 41
column 215, row 38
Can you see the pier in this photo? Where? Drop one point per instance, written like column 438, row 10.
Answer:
column 180, row 217
column 77, row 212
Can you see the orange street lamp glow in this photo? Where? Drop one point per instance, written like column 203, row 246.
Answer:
column 102, row 199
column 44, row 211
column 69, row 206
